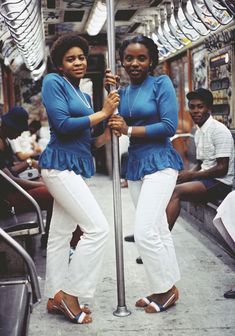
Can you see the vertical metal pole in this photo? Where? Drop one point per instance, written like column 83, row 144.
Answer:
column 121, row 307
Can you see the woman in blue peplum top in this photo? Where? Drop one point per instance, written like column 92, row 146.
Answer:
column 148, row 114
column 65, row 162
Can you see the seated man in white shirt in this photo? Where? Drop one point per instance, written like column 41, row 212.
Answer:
column 26, row 146
column 212, row 177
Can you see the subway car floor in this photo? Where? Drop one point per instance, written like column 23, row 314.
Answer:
column 206, row 273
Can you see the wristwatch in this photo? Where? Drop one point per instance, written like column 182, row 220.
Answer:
column 29, row 162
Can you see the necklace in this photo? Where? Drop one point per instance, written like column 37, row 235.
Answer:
column 84, row 100
column 128, row 99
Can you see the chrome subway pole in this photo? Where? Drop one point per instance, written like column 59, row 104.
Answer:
column 121, row 306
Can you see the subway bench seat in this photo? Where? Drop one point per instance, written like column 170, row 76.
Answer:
column 18, row 293
column 14, row 316
column 19, row 287
column 201, row 216
column 21, row 224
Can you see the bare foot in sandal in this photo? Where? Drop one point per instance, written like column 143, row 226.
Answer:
column 145, row 301
column 69, row 306
column 161, row 302
column 53, row 308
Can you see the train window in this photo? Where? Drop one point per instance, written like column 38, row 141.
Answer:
column 96, row 63
column 73, row 16
column 124, row 15
column 51, row 29
column 220, row 109
column 215, row 85
column 220, row 84
column 225, row 83
column 51, row 4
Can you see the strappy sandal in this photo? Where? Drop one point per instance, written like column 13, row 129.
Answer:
column 81, row 318
column 155, row 307
column 52, row 308
column 144, row 302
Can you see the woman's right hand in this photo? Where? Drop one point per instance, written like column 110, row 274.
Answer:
column 111, row 80
column 111, row 103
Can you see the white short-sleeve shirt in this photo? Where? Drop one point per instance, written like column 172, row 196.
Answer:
column 214, row 140
column 24, row 143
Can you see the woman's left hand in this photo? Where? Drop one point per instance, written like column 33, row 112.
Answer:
column 118, row 124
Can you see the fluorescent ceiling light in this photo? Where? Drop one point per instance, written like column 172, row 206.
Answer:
column 97, row 18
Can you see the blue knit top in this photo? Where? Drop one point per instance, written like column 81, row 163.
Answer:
column 69, row 147
column 152, row 104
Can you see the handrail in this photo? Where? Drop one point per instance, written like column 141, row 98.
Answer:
column 229, row 5
column 33, row 22
column 162, row 38
column 29, row 197
column 36, row 295
column 200, row 14
column 170, row 38
column 181, row 25
column 177, row 34
column 23, row 19
column 194, row 21
column 211, row 6
column 6, row 17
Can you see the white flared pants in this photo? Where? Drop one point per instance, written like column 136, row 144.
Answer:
column 152, row 236
column 74, row 205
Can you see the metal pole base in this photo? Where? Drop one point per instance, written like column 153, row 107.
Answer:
column 121, row 312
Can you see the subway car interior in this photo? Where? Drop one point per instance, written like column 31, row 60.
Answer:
column 196, row 43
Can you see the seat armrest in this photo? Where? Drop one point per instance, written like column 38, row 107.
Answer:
column 29, row 197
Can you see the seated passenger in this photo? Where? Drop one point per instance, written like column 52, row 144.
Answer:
column 11, row 128
column 26, row 146
column 212, row 177
column 224, row 222
column 13, row 124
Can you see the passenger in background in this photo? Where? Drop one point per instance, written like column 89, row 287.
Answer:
column 149, row 116
column 225, row 224
column 26, row 145
column 65, row 162
column 212, row 177
column 11, row 129
column 13, row 124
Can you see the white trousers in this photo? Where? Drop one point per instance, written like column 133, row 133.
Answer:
column 73, row 204
column 152, row 236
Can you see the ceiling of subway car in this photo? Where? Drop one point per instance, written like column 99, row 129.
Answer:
column 27, row 26
column 62, row 16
